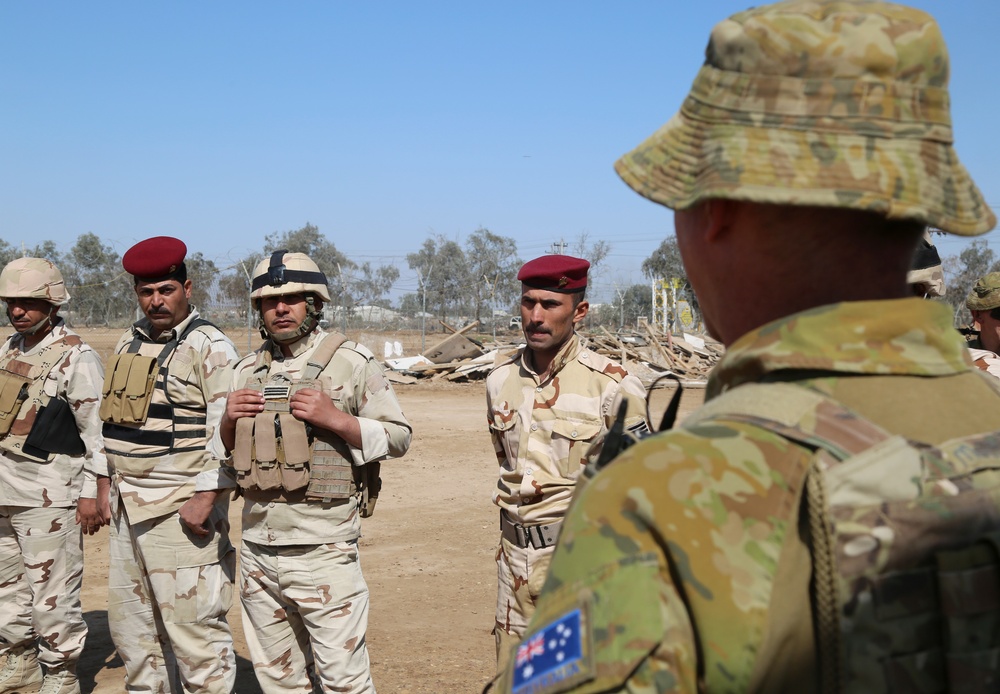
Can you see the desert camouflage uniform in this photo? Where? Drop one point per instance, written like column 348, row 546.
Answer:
column 305, row 600
column 985, row 360
column 169, row 590
column 716, row 507
column 541, row 430
column 41, row 545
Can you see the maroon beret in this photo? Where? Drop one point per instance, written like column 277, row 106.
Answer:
column 555, row 273
column 156, row 259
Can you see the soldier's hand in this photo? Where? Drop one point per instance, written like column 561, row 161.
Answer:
column 239, row 404
column 243, row 403
column 104, row 499
column 317, row 408
column 88, row 517
column 196, row 510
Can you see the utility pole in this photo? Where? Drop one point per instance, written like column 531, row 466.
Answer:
column 558, row 247
column 249, row 307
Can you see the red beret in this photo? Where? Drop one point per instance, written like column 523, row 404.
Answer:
column 555, row 273
column 158, row 258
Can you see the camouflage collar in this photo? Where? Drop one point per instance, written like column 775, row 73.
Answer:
column 910, row 337
column 58, row 331
column 565, row 355
column 300, row 346
column 144, row 328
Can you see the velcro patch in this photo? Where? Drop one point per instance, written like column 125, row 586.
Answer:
column 555, row 658
column 377, row 382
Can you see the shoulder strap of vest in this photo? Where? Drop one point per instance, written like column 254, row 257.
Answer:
column 323, row 354
column 171, row 344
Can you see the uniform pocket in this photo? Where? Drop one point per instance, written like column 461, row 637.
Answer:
column 570, row 440
column 203, row 587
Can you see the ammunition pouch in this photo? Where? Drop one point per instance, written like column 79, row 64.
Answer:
column 129, row 382
column 13, row 393
column 276, row 451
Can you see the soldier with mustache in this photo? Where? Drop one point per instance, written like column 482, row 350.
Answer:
column 548, row 404
column 172, row 564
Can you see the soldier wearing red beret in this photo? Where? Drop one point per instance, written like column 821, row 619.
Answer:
column 547, row 405
column 172, row 564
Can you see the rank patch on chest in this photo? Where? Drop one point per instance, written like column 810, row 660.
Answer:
column 554, row 658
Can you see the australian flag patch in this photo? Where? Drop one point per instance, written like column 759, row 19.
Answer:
column 555, row 657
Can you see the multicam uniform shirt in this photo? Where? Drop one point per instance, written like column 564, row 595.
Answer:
column 360, row 388
column 64, row 479
column 543, row 424
column 199, row 371
column 716, row 507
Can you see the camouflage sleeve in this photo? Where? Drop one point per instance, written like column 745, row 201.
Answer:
column 385, row 433
column 83, row 378
column 684, row 531
column 496, row 435
column 216, row 374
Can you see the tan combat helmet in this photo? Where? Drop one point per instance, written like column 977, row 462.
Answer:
column 33, row 278
column 287, row 273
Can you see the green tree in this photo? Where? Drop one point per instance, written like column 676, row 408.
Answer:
column 492, row 267
column 370, row 285
column 234, row 284
column 202, row 273
column 665, row 261
column 631, row 303
column 443, row 273
column 102, row 292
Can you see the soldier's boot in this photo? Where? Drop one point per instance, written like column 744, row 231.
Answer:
column 60, row 682
column 21, row 674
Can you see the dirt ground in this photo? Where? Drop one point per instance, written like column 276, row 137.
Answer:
column 427, row 555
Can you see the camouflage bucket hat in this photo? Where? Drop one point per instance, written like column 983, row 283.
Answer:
column 813, row 102
column 985, row 294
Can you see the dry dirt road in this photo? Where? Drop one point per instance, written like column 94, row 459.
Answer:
column 427, row 555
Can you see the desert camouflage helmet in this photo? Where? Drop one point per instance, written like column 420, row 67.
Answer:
column 33, row 278
column 288, row 273
column 827, row 103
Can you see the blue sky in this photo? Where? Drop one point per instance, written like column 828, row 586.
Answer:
column 379, row 122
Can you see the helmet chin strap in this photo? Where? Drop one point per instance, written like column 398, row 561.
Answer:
column 28, row 332
column 309, row 324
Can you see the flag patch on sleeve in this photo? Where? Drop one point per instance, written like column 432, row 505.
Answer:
column 555, row 657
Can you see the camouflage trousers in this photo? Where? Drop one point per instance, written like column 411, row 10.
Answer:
column 168, row 594
column 305, row 614
column 520, row 575
column 41, row 572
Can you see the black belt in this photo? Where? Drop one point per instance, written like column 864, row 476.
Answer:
column 537, row 536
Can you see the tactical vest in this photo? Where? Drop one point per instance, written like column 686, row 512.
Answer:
column 141, row 422
column 905, row 542
column 277, row 452
column 22, row 396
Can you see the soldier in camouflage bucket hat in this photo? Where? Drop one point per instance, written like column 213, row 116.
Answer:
column 814, row 527
column 984, row 304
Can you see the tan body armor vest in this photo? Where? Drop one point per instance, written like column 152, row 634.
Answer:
column 22, row 396
column 131, row 381
column 276, row 452
column 905, row 542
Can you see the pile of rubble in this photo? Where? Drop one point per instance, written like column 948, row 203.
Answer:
column 648, row 354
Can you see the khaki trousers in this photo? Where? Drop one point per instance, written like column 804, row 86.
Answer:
column 305, row 614
column 41, row 572
column 520, row 575
column 168, row 594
